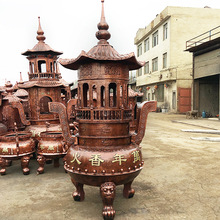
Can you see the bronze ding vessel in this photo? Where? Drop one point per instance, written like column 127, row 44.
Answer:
column 107, row 154
column 14, row 146
column 50, row 146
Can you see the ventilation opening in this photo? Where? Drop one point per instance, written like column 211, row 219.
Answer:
column 85, row 94
column 102, row 96
column 42, row 66
column 112, row 95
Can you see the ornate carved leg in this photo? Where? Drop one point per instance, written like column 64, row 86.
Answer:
column 79, row 194
column 24, row 164
column 128, row 192
column 56, row 162
column 3, row 165
column 107, row 191
column 41, row 161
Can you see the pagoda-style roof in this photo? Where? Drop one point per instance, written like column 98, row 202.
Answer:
column 103, row 51
column 21, row 93
column 9, row 96
column 42, row 83
column 41, row 46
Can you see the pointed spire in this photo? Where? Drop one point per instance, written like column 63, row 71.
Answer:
column 21, row 79
column 40, row 32
column 103, row 34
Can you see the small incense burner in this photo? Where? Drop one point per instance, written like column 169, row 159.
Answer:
column 104, row 153
column 50, row 146
column 14, row 146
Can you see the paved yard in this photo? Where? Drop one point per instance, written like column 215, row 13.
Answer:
column 180, row 180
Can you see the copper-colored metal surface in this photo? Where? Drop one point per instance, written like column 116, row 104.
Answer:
column 3, row 128
column 132, row 102
column 105, row 153
column 16, row 145
column 50, row 146
column 12, row 110
column 44, row 86
column 44, row 83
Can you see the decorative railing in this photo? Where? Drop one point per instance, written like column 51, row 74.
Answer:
column 102, row 114
column 202, row 38
column 39, row 76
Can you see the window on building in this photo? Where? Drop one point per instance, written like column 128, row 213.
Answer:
column 165, row 31
column 153, row 96
column 165, row 60
column 155, row 64
column 140, row 72
column 155, row 39
column 146, row 68
column 139, row 52
column 146, row 45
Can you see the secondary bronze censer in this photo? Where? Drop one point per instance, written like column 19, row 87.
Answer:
column 106, row 154
column 16, row 145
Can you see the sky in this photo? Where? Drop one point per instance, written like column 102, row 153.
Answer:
column 70, row 26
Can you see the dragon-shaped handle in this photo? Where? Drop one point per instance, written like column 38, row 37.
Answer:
column 57, row 107
column 20, row 108
column 70, row 103
column 145, row 108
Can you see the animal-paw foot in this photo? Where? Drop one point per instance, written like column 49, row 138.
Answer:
column 108, row 213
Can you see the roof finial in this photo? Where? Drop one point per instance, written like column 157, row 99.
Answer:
column 103, row 33
column 21, row 79
column 40, row 32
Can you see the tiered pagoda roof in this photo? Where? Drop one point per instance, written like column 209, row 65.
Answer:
column 41, row 46
column 103, row 51
column 46, row 79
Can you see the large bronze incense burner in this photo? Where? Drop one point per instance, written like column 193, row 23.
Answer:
column 107, row 154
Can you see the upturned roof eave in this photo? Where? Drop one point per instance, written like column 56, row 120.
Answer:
column 43, row 84
column 83, row 58
column 33, row 52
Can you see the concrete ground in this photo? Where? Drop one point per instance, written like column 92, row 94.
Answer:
column 180, row 180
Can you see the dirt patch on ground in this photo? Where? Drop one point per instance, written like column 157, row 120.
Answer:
column 180, row 180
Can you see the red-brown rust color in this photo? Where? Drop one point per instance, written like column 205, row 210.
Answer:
column 105, row 156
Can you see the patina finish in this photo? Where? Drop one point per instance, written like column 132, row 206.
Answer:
column 44, row 85
column 16, row 145
column 104, row 153
column 12, row 110
column 50, row 146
